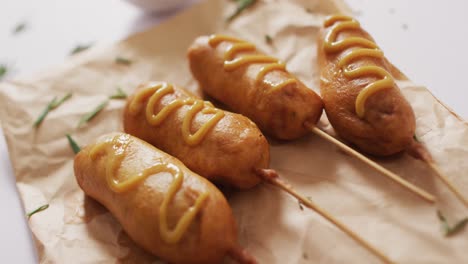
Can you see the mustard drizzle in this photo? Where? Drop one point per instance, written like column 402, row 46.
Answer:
column 115, row 148
column 367, row 49
column 232, row 63
column 159, row 90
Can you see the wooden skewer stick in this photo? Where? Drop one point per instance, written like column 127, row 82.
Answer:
column 447, row 182
column 272, row 177
column 419, row 151
column 416, row 190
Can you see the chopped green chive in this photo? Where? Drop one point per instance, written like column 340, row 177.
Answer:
column 448, row 230
column 119, row 94
column 241, row 6
column 20, row 27
column 86, row 118
column 40, row 209
column 51, row 106
column 123, row 61
column 79, row 48
column 3, row 70
column 73, row 144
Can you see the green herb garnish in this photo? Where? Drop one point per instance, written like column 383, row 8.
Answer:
column 268, row 39
column 241, row 6
column 51, row 106
column 124, row 61
column 40, row 209
column 448, row 230
column 301, row 206
column 415, row 138
column 73, row 144
column 3, row 70
column 59, row 102
column 79, row 48
column 86, row 118
column 20, row 27
column 120, row 94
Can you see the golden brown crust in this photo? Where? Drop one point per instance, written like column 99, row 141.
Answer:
column 210, row 236
column 280, row 113
column 228, row 154
column 389, row 123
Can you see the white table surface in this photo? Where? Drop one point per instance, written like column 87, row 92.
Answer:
column 427, row 40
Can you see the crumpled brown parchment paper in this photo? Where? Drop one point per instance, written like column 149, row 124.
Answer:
column 271, row 224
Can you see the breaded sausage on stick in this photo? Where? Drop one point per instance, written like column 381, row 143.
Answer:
column 224, row 147
column 164, row 207
column 361, row 99
column 258, row 86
